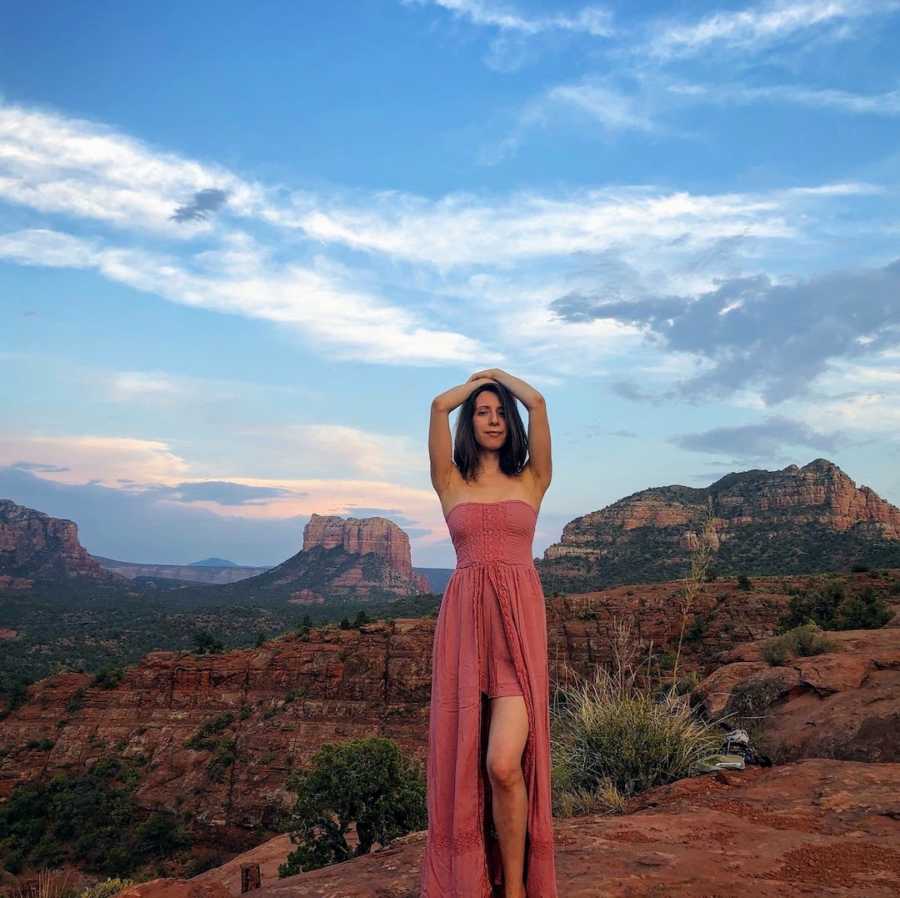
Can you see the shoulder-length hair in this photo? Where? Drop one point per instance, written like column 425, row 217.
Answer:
column 513, row 453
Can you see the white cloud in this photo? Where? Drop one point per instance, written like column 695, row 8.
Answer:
column 346, row 322
column 591, row 20
column 54, row 163
column 100, row 459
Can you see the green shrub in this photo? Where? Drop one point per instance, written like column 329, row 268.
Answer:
column 803, row 641
column 363, row 781
column 206, row 644
column 827, row 605
column 224, row 756
column 743, row 582
column 613, row 739
column 697, row 630
column 864, row 611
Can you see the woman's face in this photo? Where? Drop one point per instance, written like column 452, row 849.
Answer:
column 488, row 420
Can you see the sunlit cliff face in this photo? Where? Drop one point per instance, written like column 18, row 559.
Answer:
column 489, row 421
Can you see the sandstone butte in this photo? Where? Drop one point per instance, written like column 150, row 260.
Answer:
column 825, row 818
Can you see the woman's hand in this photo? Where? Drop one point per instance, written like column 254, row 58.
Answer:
column 489, row 373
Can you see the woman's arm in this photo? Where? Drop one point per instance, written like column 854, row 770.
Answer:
column 540, row 464
column 440, row 446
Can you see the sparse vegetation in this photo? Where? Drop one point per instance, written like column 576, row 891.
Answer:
column 108, row 677
column 88, row 820
column 76, row 701
column 201, row 740
column 828, row 605
column 106, row 888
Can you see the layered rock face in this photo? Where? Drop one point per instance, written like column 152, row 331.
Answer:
column 795, row 520
column 35, row 546
column 347, row 558
column 362, row 536
column 286, row 699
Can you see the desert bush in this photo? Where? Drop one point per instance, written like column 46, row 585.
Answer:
column 105, row 888
column 366, row 782
column 743, row 582
column 803, row 641
column 613, row 738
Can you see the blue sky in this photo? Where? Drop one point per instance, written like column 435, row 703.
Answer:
column 242, row 246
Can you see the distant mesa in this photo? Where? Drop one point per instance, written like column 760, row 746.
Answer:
column 211, row 571
column 213, row 562
column 795, row 520
column 36, row 547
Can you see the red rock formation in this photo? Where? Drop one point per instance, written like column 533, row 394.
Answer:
column 795, row 520
column 35, row 546
column 346, row 558
column 361, row 536
column 843, row 704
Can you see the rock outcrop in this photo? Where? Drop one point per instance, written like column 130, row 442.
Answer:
column 841, row 704
column 797, row 520
column 37, row 547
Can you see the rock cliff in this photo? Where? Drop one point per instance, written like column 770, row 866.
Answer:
column 35, row 547
column 283, row 700
column 794, row 520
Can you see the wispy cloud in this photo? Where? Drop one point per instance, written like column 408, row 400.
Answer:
column 592, row 20
column 756, row 27
column 884, row 104
column 58, row 164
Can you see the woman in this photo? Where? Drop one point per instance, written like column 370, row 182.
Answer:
column 488, row 770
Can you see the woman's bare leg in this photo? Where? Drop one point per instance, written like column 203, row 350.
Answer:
column 509, row 797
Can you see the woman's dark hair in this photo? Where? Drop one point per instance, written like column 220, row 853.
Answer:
column 514, row 451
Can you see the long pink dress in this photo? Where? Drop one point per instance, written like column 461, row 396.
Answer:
column 493, row 542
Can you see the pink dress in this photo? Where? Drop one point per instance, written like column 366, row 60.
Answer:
column 493, row 542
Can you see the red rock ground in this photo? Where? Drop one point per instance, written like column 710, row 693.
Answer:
column 816, row 827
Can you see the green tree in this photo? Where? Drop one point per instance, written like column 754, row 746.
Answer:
column 366, row 782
